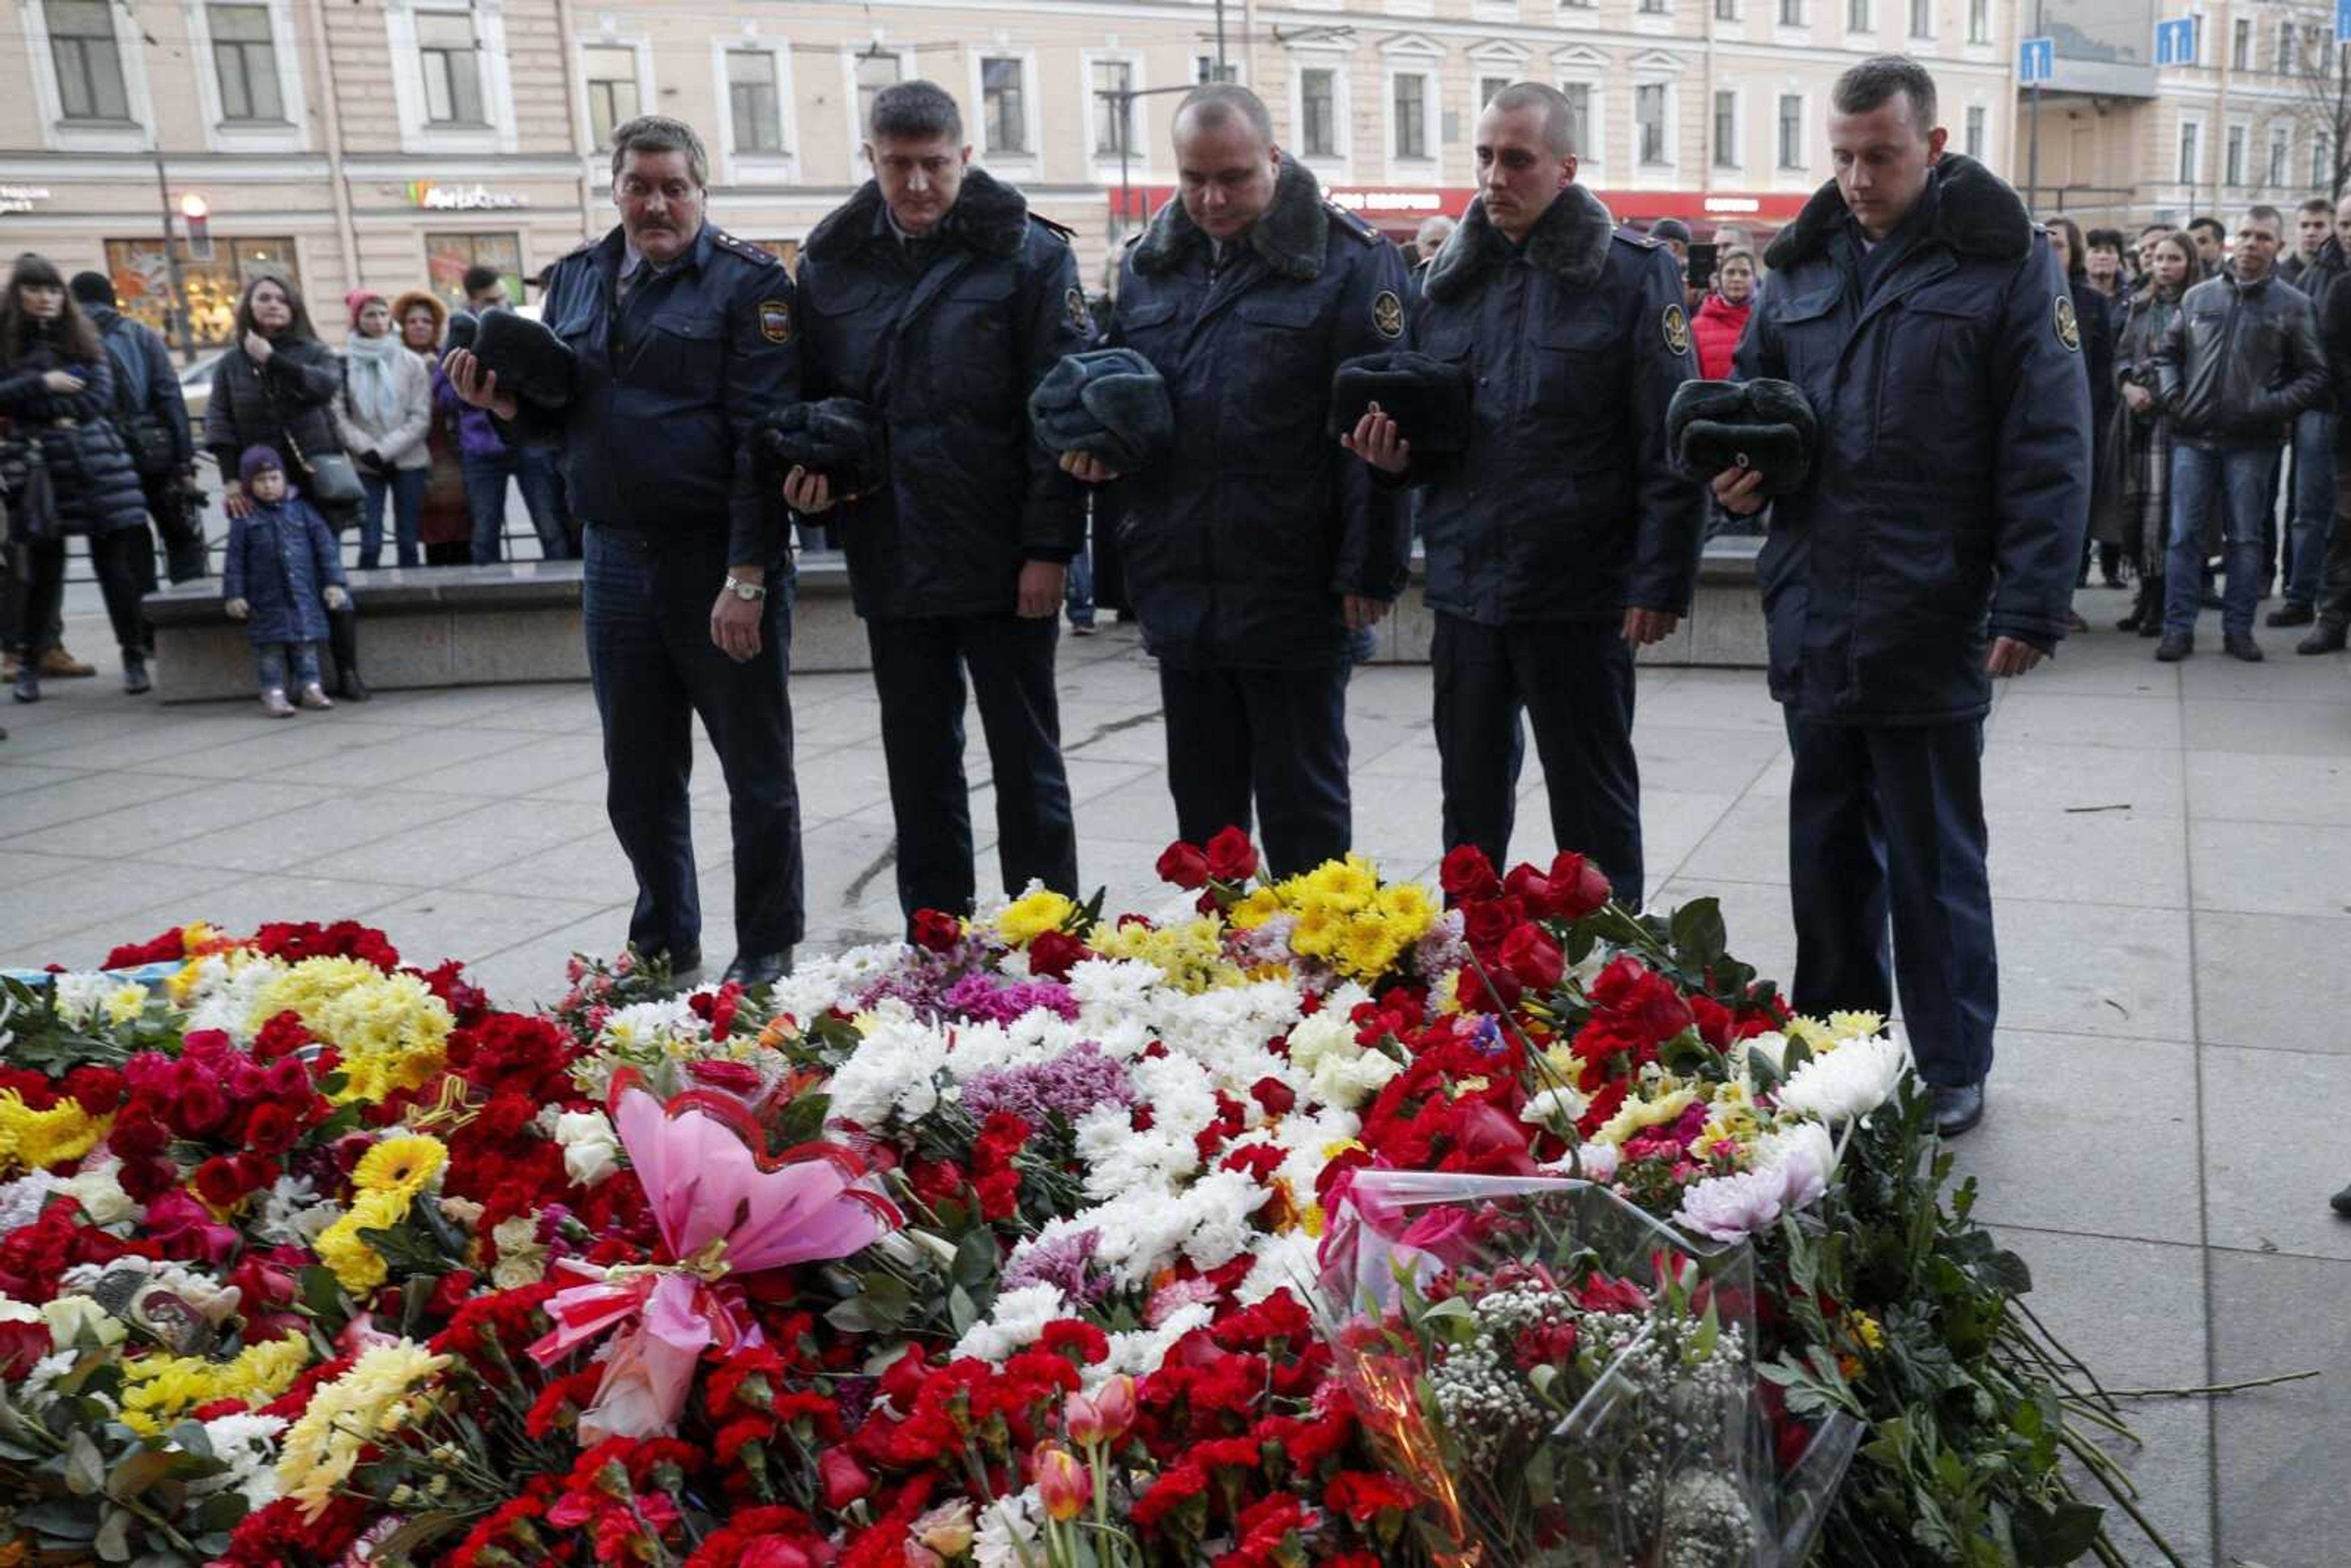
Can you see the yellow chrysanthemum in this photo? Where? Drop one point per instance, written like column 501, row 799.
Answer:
column 1029, row 917
column 1369, row 951
column 371, row 1400
column 391, row 1030
column 1254, row 908
column 156, row 1389
column 1190, row 954
column 37, row 1140
column 1322, row 929
column 1855, row 1026
column 1350, row 883
column 358, row 1267
column 125, row 1003
column 1409, row 910
column 405, row 1164
column 1635, row 1114
column 1867, row 1330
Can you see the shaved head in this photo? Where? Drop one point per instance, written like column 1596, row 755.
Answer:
column 1215, row 105
column 1557, row 114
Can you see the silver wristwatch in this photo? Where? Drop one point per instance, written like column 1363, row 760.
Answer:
column 750, row 592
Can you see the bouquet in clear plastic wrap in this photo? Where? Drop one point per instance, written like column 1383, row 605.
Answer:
column 1563, row 1382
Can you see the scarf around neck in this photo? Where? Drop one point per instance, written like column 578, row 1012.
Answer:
column 374, row 379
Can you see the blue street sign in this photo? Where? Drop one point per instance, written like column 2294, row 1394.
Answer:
column 2175, row 42
column 2342, row 21
column 2037, row 58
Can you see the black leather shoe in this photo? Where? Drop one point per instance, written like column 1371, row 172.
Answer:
column 2242, row 646
column 135, row 682
column 350, row 688
column 752, row 971
column 2174, row 646
column 2291, row 614
column 2341, row 1203
column 2327, row 639
column 685, row 961
column 1957, row 1107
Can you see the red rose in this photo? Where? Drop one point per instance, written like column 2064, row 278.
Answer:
column 97, row 1089
column 1577, row 885
column 22, row 1345
column 1231, row 857
column 846, row 1480
column 1533, row 958
column 200, row 1108
column 139, row 1136
column 1054, row 954
column 1183, row 866
column 936, row 930
column 1276, row 1096
column 1531, row 888
column 219, row 1182
column 270, row 1128
column 1468, row 874
column 1490, row 922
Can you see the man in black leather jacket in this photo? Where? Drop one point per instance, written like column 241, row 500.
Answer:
column 2242, row 362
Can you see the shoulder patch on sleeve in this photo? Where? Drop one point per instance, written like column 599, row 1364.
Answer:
column 775, row 321
column 2069, row 325
column 1074, row 311
column 1677, row 329
column 1387, row 314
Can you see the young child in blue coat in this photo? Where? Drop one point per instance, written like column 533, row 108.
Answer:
column 284, row 574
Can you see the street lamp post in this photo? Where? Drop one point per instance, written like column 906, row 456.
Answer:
column 176, row 309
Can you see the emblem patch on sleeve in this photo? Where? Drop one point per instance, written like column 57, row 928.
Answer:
column 2069, row 325
column 1387, row 314
column 1677, row 324
column 1073, row 306
column 775, row 321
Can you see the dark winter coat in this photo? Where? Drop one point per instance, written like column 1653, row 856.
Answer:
column 669, row 388
column 2098, row 317
column 280, row 559
column 1566, row 505
column 1240, row 543
column 947, row 349
column 146, row 388
column 1948, row 496
column 90, row 469
column 286, row 404
column 1718, row 327
column 2240, row 363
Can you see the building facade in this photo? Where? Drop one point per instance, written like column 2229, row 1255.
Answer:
column 392, row 143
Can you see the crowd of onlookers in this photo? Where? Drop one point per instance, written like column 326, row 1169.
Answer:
column 96, row 440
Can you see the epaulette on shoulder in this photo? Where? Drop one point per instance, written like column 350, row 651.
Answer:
column 1350, row 222
column 742, row 247
column 1061, row 232
column 1635, row 237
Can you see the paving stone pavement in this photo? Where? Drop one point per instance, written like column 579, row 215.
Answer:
column 2171, row 856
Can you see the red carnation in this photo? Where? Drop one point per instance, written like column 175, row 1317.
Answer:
column 1231, row 857
column 1183, row 866
column 1276, row 1096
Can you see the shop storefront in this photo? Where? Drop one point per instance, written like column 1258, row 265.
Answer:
column 142, row 279
column 1397, row 210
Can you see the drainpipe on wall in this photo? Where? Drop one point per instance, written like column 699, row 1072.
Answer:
column 571, row 114
column 2220, row 116
column 330, row 117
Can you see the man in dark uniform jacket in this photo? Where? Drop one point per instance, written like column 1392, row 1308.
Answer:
column 1257, row 546
column 1931, row 549
column 1561, row 538
column 936, row 297
column 686, row 336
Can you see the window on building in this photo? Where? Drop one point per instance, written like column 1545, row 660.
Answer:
column 876, row 68
column 2241, row 45
column 142, row 280
column 2322, row 165
column 1204, row 68
column 245, row 60
column 1653, row 7
column 2288, row 43
column 2280, row 156
column 1979, row 21
column 1649, row 117
column 1579, row 116
column 1488, row 87
column 1856, row 16
column 88, row 59
column 2233, row 157
column 1318, row 111
column 1792, row 130
column 611, row 76
column 1791, row 13
column 1922, row 18
column 1726, row 129
column 1003, row 105
column 1976, row 131
column 447, row 256
column 2191, row 152
column 1578, row 5
column 1726, row 10
column 452, row 67
column 1114, row 109
column 1410, row 105
column 752, row 102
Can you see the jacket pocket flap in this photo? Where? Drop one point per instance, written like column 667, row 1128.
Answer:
column 1974, row 301
column 685, row 327
column 1278, row 310
column 1145, row 313
column 996, row 283
column 1809, row 307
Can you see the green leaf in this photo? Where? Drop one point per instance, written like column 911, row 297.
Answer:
column 962, row 1311
column 140, row 1472
column 2048, row 1537
column 976, row 1258
column 85, row 1465
column 112, row 1543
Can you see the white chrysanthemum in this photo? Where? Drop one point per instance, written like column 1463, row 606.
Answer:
column 22, row 1200
column 1287, row 1262
column 1731, row 1207
column 293, row 1215
column 1804, row 1156
column 227, row 993
column 894, row 1068
column 1017, row 1321
column 1008, row 1532
column 81, row 997
column 1219, row 1206
column 1851, row 1080
column 1139, row 1353
column 248, row 1444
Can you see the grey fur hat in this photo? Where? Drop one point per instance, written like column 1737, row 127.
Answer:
column 1109, row 403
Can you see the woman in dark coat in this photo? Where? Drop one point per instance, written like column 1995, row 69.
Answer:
column 276, row 388
column 2095, row 314
column 2142, row 516
column 57, row 386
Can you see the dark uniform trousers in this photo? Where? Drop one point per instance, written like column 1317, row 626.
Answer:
column 648, row 601
column 1887, row 820
column 919, row 664
column 1574, row 680
column 1276, row 735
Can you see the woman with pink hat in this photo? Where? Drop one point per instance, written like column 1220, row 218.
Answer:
column 383, row 413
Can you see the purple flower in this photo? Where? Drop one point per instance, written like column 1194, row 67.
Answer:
column 984, row 998
column 1731, row 1207
column 1067, row 1086
column 1064, row 1263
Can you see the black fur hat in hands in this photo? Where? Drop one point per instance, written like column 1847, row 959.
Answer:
column 1109, row 403
column 526, row 355
column 838, row 438
column 1764, row 425
column 1427, row 397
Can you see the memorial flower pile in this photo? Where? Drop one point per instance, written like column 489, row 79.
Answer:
column 1009, row 1247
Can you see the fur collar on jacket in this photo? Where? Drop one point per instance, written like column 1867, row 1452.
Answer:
column 1977, row 214
column 1571, row 239
column 988, row 216
column 1290, row 237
